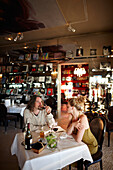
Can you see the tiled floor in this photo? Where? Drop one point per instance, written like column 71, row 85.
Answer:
column 9, row 162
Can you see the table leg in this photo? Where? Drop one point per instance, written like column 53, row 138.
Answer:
column 21, row 122
column 80, row 164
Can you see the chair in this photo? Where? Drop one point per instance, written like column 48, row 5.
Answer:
column 109, row 123
column 5, row 117
column 51, row 101
column 97, row 126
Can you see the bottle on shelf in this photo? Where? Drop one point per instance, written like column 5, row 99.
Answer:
column 28, row 138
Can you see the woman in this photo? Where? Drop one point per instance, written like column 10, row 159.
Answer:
column 37, row 115
column 78, row 124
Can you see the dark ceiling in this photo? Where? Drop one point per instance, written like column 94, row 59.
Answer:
column 41, row 21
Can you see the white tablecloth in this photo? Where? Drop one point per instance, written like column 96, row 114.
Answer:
column 67, row 152
column 16, row 109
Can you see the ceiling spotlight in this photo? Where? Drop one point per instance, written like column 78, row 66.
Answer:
column 37, row 48
column 70, row 28
column 25, row 47
column 15, row 39
column 73, row 30
column 9, row 38
column 7, row 54
column 19, row 36
column 41, row 50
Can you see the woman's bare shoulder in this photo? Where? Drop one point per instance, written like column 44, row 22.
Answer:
column 83, row 117
column 84, row 120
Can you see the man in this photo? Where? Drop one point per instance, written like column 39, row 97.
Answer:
column 38, row 115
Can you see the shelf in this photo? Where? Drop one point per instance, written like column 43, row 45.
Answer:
column 71, row 68
column 76, row 81
column 73, row 75
column 80, row 88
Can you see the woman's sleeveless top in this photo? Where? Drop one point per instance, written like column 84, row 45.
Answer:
column 90, row 140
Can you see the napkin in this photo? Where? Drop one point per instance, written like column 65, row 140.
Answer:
column 63, row 135
column 60, row 129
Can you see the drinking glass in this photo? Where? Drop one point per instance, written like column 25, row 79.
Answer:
column 54, row 127
column 42, row 132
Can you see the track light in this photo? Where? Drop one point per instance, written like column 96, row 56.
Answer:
column 25, row 47
column 9, row 38
column 70, row 28
column 19, row 36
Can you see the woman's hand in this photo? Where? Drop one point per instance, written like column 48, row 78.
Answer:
column 72, row 111
column 77, row 124
column 48, row 109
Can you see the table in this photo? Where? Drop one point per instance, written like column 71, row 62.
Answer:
column 67, row 152
column 17, row 109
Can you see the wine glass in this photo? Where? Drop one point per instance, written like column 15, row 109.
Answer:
column 51, row 128
column 55, row 128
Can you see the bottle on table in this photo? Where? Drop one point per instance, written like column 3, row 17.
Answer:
column 28, row 138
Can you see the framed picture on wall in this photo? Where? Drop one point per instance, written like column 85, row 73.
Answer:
column 34, row 68
column 30, row 79
column 49, row 92
column 36, row 79
column 48, row 79
column 15, row 69
column 42, row 91
column 4, row 91
column 3, row 69
column 9, row 69
column 49, row 67
column 1, row 60
column 105, row 65
column 35, row 57
column 41, row 68
column 106, row 50
column 21, row 57
column 69, row 54
column 15, row 91
column 93, row 51
column 79, row 52
column 41, row 79
column 45, row 56
column 24, row 68
column 27, row 57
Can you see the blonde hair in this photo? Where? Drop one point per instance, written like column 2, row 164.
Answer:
column 77, row 102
